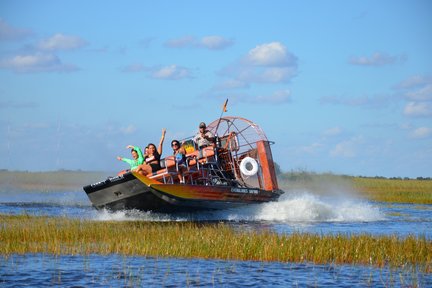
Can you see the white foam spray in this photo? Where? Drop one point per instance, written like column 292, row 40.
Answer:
column 307, row 207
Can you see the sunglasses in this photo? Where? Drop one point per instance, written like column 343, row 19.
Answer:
column 174, row 144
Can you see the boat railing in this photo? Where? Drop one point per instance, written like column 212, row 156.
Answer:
column 218, row 166
column 168, row 172
column 208, row 166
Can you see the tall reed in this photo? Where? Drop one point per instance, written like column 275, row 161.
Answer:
column 395, row 190
column 28, row 234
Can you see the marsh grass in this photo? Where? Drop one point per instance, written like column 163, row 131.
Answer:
column 31, row 234
column 395, row 190
column 376, row 189
column 61, row 180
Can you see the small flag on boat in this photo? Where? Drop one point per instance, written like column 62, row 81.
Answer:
column 224, row 108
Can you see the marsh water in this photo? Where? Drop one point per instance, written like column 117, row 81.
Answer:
column 296, row 211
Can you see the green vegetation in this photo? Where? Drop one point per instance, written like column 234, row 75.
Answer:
column 31, row 234
column 396, row 190
column 62, row 180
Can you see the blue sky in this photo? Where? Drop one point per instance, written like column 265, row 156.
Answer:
column 340, row 86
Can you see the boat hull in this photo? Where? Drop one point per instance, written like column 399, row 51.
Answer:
column 134, row 191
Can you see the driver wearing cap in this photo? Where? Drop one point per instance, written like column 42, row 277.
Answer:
column 204, row 137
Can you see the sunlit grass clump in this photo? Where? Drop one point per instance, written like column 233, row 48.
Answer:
column 28, row 234
column 395, row 190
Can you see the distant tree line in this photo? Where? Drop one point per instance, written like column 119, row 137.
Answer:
column 306, row 175
column 397, row 178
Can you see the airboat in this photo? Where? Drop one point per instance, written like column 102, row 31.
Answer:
column 238, row 171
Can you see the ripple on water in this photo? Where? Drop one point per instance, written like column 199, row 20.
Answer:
column 37, row 270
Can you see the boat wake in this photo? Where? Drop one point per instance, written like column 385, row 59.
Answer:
column 306, row 207
column 291, row 207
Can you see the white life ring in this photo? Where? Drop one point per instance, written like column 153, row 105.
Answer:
column 249, row 166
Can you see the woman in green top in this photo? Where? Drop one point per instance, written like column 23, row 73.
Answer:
column 137, row 156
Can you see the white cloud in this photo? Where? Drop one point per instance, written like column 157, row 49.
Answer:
column 272, row 54
column 344, row 149
column 277, row 97
column 37, row 62
column 215, row 42
column 172, row 72
column 266, row 63
column 182, row 42
column 10, row 33
column 347, row 148
column 377, row 59
column 61, row 42
column 276, row 75
column 421, row 132
column 418, row 109
column 417, row 90
column 265, row 75
column 41, row 57
column 131, row 129
column 414, row 81
column 406, row 126
column 421, row 94
column 133, row 68
column 335, row 131
column 212, row 42
column 231, row 84
column 376, row 101
column 311, row 149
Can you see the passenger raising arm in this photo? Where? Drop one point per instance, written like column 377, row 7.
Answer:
column 137, row 156
column 152, row 161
